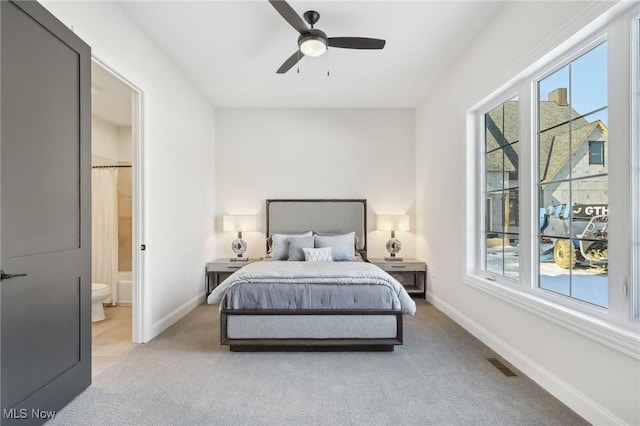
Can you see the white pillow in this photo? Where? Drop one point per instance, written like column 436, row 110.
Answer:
column 280, row 245
column 317, row 254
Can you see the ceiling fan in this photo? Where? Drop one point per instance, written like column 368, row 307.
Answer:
column 313, row 42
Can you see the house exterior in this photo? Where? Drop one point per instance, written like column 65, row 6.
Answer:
column 570, row 147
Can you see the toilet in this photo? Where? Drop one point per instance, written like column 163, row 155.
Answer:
column 99, row 292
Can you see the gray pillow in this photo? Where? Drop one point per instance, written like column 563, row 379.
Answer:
column 280, row 245
column 296, row 244
column 342, row 246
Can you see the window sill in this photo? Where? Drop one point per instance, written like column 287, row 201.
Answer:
column 624, row 341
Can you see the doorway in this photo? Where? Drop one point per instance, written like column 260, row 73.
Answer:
column 117, row 211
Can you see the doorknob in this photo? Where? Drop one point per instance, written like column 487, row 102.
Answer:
column 4, row 276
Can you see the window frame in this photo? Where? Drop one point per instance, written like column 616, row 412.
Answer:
column 579, row 49
column 496, row 102
column 616, row 325
column 634, row 289
column 600, row 153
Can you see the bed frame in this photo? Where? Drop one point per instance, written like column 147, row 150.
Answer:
column 306, row 329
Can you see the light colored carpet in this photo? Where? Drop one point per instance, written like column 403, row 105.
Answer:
column 440, row 376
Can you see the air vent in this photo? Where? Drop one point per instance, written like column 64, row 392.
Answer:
column 500, row 366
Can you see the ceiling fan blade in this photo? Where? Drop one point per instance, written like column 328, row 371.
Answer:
column 356, row 42
column 290, row 15
column 293, row 59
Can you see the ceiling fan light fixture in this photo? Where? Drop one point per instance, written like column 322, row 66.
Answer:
column 312, row 41
column 313, row 45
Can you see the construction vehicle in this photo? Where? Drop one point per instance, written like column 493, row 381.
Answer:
column 575, row 234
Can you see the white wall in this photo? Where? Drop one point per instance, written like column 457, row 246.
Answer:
column 598, row 382
column 104, row 139
column 125, row 147
column 110, row 141
column 314, row 153
column 178, row 157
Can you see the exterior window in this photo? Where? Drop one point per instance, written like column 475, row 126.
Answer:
column 572, row 129
column 540, row 190
column 501, row 135
column 596, row 152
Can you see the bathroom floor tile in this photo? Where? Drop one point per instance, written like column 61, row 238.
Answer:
column 111, row 338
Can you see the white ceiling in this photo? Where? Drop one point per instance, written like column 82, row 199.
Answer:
column 231, row 50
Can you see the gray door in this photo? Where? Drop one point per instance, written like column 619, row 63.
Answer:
column 45, row 207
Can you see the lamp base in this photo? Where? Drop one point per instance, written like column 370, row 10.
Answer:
column 239, row 247
column 394, row 258
column 393, row 247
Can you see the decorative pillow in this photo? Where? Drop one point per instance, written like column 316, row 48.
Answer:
column 342, row 246
column 296, row 244
column 280, row 245
column 317, row 254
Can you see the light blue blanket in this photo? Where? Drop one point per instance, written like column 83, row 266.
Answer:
column 312, row 285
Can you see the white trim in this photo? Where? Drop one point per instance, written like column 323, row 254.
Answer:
column 567, row 394
column 621, row 340
column 139, row 301
column 634, row 289
column 176, row 315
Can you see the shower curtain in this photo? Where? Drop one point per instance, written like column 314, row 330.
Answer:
column 104, row 228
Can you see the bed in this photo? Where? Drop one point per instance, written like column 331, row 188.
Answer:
column 337, row 303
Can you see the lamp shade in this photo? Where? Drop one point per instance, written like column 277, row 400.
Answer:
column 238, row 223
column 392, row 222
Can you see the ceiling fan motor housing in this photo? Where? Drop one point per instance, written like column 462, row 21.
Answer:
column 311, row 16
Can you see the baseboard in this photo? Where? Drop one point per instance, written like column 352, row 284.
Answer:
column 174, row 316
column 568, row 395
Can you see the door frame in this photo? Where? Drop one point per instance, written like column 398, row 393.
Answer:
column 139, row 306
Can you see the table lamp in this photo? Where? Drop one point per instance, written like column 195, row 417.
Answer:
column 239, row 223
column 393, row 223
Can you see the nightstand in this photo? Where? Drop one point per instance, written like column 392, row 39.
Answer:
column 218, row 270
column 411, row 273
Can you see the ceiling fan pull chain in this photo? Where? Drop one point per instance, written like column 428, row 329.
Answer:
column 328, row 63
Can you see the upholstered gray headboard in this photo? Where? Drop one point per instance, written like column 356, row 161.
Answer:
column 333, row 216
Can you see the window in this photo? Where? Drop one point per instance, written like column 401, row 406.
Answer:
column 573, row 197
column 596, row 152
column 501, row 137
column 540, row 192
